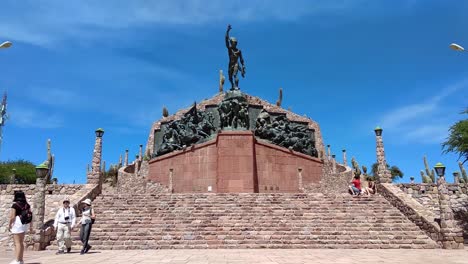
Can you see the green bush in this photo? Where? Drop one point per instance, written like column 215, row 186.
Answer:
column 25, row 171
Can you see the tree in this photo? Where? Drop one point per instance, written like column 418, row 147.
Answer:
column 394, row 171
column 25, row 171
column 457, row 141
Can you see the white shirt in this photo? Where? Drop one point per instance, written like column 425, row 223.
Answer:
column 86, row 215
column 62, row 213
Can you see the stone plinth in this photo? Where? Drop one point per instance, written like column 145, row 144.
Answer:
column 235, row 162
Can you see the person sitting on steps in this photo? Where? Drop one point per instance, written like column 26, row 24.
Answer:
column 372, row 188
column 355, row 187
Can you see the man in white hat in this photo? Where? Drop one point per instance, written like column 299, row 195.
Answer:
column 65, row 220
column 87, row 220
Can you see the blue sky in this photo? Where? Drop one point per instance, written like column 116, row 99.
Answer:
column 350, row 65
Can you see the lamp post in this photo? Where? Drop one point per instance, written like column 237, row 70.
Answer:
column 95, row 176
column 452, row 236
column 456, row 47
column 383, row 174
column 5, row 45
column 345, row 161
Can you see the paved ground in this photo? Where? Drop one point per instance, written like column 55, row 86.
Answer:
column 235, row 256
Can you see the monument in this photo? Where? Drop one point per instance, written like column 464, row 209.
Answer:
column 234, row 142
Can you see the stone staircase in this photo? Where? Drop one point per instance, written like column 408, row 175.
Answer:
column 174, row 221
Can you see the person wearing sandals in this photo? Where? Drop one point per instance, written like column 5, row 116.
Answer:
column 87, row 220
column 20, row 219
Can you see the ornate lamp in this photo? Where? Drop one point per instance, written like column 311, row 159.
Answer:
column 456, row 47
column 99, row 132
column 440, row 169
column 42, row 170
column 378, row 131
column 5, row 44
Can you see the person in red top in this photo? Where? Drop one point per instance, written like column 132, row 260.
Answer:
column 355, row 186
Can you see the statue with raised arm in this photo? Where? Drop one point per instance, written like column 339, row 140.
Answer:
column 235, row 55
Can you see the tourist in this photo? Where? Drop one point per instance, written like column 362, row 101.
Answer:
column 20, row 217
column 65, row 220
column 372, row 188
column 355, row 186
column 87, row 220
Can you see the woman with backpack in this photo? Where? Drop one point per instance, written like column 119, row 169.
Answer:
column 20, row 217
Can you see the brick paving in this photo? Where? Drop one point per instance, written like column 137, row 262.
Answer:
column 258, row 256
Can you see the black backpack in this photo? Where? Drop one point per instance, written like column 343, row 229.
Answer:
column 26, row 214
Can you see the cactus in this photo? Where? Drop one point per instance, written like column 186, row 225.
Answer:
column 165, row 112
column 364, row 169
column 221, row 81
column 430, row 174
column 425, row 178
column 280, row 98
column 463, row 172
column 357, row 170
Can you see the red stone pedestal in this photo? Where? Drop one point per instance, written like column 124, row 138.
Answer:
column 235, row 162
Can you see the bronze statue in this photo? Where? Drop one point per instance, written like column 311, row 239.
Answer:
column 235, row 55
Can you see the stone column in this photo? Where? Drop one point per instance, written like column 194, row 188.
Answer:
column 120, row 161
column 126, row 158
column 345, row 161
column 333, row 160
column 329, row 151
column 456, row 177
column 140, row 153
column 38, row 208
column 384, row 175
column 452, row 235
column 299, row 176
column 137, row 164
column 95, row 176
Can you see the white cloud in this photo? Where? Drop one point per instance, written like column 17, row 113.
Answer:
column 30, row 118
column 44, row 22
column 426, row 122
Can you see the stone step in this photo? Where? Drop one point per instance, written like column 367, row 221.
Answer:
column 172, row 221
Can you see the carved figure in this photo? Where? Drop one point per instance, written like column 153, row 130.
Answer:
column 234, row 113
column 282, row 132
column 194, row 127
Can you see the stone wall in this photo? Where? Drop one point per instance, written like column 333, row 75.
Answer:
column 52, row 203
column 427, row 195
column 336, row 178
column 131, row 183
column 417, row 213
column 54, row 189
column 278, row 169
